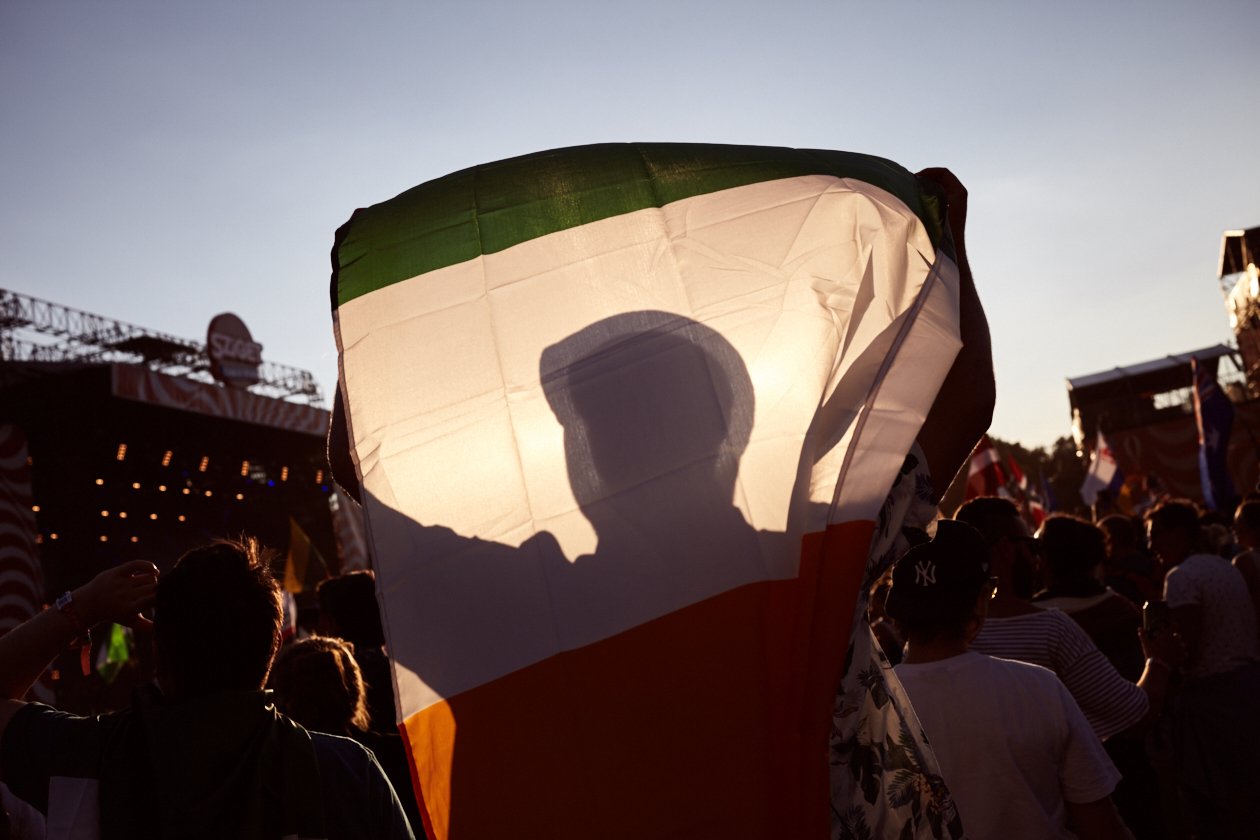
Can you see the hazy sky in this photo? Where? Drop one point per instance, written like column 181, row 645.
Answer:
column 163, row 162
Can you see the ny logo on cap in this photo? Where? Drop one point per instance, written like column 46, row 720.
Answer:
column 925, row 573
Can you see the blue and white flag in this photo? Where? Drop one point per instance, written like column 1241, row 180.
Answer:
column 1214, row 417
column 1103, row 474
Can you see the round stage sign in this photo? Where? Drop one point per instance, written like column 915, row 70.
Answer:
column 235, row 357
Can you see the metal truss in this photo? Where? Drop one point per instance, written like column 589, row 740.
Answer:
column 34, row 330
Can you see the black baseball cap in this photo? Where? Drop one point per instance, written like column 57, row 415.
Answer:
column 940, row 577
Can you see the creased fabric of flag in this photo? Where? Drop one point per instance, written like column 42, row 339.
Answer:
column 984, row 471
column 623, row 418
column 1103, row 472
column 1214, row 418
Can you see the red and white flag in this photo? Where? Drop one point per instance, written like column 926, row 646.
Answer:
column 984, row 473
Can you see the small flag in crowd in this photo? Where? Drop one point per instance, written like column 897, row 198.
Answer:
column 984, row 472
column 118, row 650
column 289, row 616
column 1103, row 473
column 303, row 566
column 1048, row 499
column 1214, row 417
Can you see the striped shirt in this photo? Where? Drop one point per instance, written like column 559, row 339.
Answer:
column 1051, row 639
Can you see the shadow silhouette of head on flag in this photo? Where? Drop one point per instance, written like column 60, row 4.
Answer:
column 656, row 410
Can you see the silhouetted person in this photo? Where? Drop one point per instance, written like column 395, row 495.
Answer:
column 1016, row 629
column 1073, row 552
column 1247, row 561
column 348, row 610
column 318, row 683
column 207, row 755
column 1130, row 570
column 1217, row 731
column 1019, row 758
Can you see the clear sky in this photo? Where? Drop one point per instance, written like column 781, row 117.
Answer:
column 163, row 162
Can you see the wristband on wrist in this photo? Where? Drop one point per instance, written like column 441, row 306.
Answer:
column 65, row 606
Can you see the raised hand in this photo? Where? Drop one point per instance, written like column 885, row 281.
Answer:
column 119, row 595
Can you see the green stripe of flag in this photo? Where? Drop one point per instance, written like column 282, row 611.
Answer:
column 489, row 208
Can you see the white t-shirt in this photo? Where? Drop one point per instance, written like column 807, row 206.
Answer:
column 1051, row 639
column 1012, row 744
column 1227, row 635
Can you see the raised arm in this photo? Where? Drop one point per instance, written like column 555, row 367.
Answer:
column 964, row 407
column 117, row 594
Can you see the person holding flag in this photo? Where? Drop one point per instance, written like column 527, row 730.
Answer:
column 623, row 419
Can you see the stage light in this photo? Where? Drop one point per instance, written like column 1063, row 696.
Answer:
column 122, row 514
column 208, row 494
column 182, row 518
column 35, row 508
column 39, row 539
column 135, row 539
column 153, row 516
column 319, row 476
column 284, row 473
column 135, row 485
column 100, row 481
column 52, row 536
column 240, row 496
column 244, row 468
column 122, row 452
column 161, row 488
column 104, row 513
column 205, row 462
column 166, row 458
column 186, row 491
column 104, row 538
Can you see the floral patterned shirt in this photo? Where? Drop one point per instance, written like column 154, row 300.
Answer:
column 885, row 781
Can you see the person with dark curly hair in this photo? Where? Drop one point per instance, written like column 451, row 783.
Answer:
column 318, row 683
column 1073, row 551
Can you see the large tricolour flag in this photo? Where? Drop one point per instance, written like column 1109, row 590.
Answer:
column 622, row 417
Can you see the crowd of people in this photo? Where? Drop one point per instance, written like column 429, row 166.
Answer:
column 233, row 736
column 1061, row 694
column 1095, row 679
column 1138, row 717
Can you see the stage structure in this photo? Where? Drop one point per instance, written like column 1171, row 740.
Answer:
column 119, row 442
column 1240, row 283
column 1146, row 410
